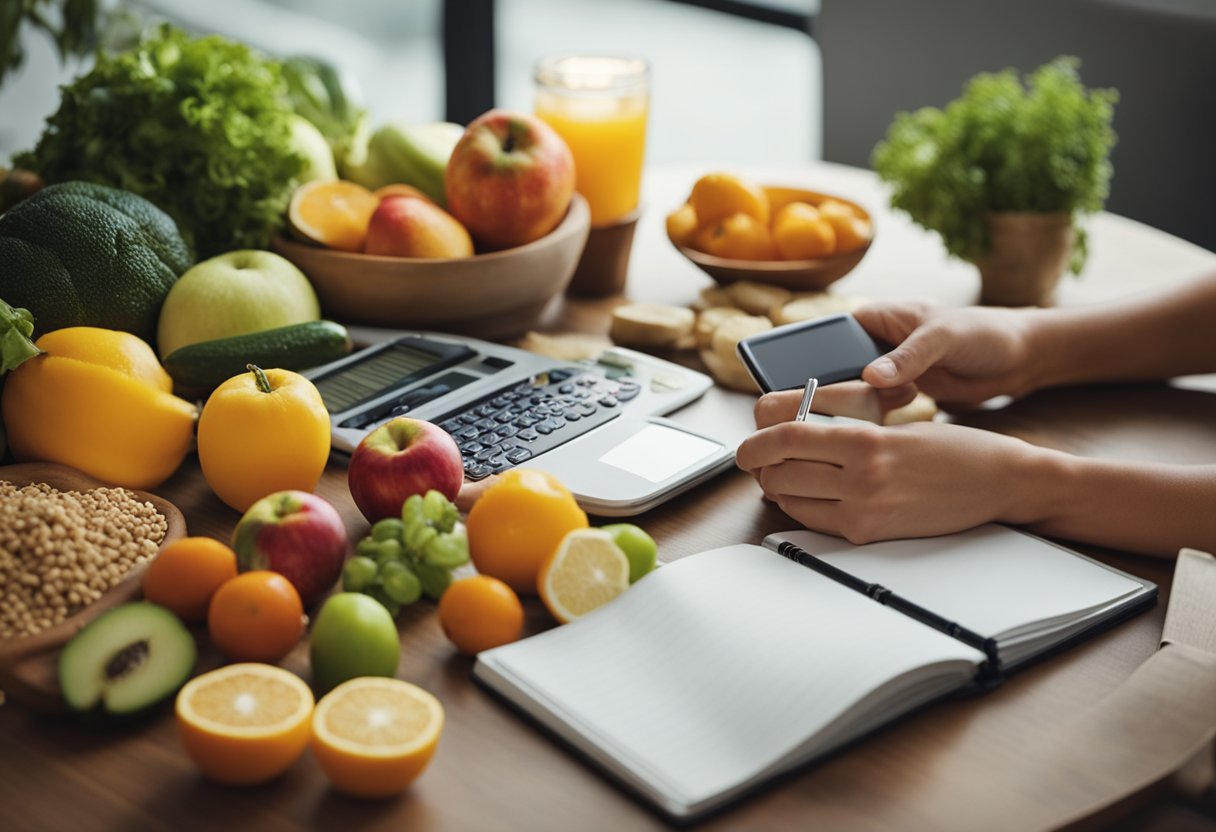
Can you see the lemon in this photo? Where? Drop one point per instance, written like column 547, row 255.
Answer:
column 587, row 570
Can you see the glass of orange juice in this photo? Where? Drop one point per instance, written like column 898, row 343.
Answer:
column 599, row 105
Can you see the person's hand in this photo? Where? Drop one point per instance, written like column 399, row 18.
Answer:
column 865, row 482
column 855, row 399
column 960, row 357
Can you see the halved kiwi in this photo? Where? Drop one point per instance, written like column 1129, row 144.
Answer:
column 127, row 659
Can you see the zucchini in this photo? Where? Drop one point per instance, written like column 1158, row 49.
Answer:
column 297, row 347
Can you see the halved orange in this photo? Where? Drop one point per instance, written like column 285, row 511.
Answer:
column 244, row 723
column 587, row 570
column 334, row 213
column 373, row 736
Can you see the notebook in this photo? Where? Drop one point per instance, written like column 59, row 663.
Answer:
column 719, row 671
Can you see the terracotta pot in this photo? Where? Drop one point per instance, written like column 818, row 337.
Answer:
column 1029, row 253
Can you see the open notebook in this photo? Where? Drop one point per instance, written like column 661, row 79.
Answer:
column 720, row 670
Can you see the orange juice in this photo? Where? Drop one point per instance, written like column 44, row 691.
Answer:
column 599, row 106
column 608, row 139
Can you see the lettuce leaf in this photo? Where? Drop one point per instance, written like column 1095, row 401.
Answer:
column 198, row 126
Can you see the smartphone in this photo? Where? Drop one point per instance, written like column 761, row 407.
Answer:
column 833, row 348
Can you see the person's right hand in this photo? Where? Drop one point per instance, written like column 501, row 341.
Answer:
column 959, row 356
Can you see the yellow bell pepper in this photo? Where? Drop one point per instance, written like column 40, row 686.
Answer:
column 98, row 400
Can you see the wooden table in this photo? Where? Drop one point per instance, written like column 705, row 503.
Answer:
column 493, row 771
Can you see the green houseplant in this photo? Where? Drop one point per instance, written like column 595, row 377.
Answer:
column 1004, row 172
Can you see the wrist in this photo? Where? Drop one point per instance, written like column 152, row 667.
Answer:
column 1043, row 485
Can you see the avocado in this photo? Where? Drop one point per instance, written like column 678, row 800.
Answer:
column 126, row 660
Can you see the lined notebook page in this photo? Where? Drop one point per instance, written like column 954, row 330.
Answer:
column 990, row 579
column 715, row 666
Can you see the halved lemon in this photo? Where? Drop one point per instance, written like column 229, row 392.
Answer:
column 587, row 570
column 373, row 736
column 334, row 213
column 244, row 723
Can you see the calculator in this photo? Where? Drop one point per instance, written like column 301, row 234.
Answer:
column 597, row 425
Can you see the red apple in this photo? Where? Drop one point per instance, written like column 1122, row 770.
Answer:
column 297, row 534
column 400, row 458
column 406, row 226
column 509, row 179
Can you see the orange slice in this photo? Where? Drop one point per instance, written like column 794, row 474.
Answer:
column 587, row 570
column 373, row 736
column 333, row 213
column 244, row 723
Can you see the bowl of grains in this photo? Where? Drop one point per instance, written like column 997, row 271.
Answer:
column 70, row 548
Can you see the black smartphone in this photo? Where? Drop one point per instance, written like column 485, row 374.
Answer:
column 833, row 348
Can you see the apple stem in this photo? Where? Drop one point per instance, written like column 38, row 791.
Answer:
column 508, row 144
column 259, row 376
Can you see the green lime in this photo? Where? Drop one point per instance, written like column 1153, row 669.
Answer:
column 639, row 547
column 354, row 635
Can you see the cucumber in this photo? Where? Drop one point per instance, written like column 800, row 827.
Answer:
column 297, row 347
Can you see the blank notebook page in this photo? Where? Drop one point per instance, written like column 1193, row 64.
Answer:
column 990, row 579
column 713, row 667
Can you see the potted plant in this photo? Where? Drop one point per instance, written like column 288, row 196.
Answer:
column 1003, row 174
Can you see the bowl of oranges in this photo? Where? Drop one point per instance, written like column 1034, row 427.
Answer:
column 421, row 269
column 736, row 230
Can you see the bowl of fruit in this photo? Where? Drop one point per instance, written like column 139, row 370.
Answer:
column 799, row 239
column 483, row 258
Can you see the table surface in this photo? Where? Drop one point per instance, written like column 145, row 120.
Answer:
column 494, row 771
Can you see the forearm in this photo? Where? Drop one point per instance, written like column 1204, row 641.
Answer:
column 1137, row 507
column 1143, row 338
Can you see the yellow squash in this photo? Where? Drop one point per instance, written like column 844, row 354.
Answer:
column 98, row 400
column 262, row 432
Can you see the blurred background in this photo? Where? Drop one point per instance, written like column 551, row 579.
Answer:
column 739, row 82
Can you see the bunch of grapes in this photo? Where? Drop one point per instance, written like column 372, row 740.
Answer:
column 401, row 560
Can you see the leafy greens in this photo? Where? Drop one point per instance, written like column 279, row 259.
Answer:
column 198, row 126
column 1002, row 147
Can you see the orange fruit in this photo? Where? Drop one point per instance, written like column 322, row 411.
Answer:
column 186, row 573
column 739, row 237
column 334, row 213
column 244, row 723
column 682, row 225
column 852, row 231
column 587, row 570
column 716, row 196
column 480, row 612
column 257, row 616
column 372, row 736
column 801, row 233
column 517, row 523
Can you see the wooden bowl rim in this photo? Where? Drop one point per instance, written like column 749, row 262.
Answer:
column 66, row 478
column 576, row 218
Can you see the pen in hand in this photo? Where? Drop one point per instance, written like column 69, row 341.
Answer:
column 808, row 394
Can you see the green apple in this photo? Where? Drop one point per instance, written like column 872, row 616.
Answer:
column 413, row 154
column 354, row 635
column 235, row 294
column 308, row 142
column 640, row 549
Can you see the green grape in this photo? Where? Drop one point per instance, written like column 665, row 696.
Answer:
column 448, row 550
column 402, row 586
column 358, row 573
column 388, row 603
column 367, row 547
column 435, row 579
column 439, row 511
column 411, row 509
column 388, row 550
column 390, row 528
column 418, row 537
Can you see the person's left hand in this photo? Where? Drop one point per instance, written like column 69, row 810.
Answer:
column 865, row 482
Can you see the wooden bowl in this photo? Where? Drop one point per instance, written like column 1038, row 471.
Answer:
column 28, row 671
column 797, row 275
column 493, row 296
